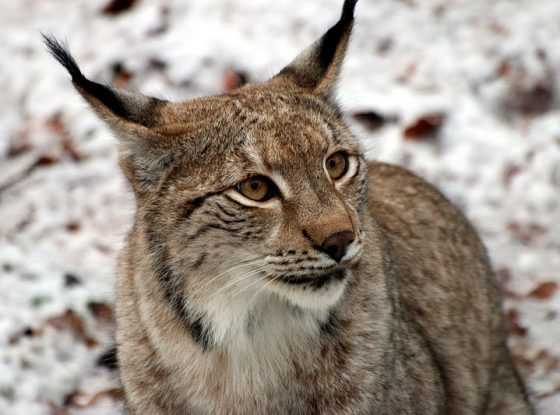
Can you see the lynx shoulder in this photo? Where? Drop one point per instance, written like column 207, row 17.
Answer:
column 272, row 270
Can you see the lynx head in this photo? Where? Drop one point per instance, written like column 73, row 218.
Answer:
column 256, row 195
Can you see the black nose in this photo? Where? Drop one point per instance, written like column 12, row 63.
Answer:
column 336, row 244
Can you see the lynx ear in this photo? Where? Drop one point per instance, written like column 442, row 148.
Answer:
column 133, row 117
column 317, row 68
column 137, row 120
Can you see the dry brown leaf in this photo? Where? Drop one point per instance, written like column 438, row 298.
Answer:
column 234, row 79
column 114, row 7
column 74, row 323
column 101, row 311
column 371, row 120
column 82, row 400
column 514, row 326
column 544, row 291
column 424, row 127
column 56, row 125
column 72, row 226
column 46, row 160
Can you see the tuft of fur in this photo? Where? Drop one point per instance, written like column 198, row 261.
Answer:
column 227, row 305
column 99, row 91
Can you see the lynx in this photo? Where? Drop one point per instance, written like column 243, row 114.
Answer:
column 271, row 269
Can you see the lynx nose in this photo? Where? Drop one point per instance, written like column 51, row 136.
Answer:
column 335, row 245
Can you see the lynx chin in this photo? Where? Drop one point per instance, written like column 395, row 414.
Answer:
column 271, row 269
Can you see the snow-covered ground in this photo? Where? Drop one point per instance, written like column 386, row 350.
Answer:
column 464, row 92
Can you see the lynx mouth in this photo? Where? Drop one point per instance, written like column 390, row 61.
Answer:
column 315, row 281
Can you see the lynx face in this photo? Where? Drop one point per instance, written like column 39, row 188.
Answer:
column 245, row 201
column 272, row 207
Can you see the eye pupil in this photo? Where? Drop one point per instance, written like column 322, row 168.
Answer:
column 337, row 165
column 258, row 189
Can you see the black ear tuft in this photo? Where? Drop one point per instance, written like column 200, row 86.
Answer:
column 348, row 9
column 61, row 54
column 331, row 40
column 89, row 89
column 317, row 68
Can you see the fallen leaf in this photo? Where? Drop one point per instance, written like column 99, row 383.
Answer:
column 426, row 126
column 157, row 64
column 109, row 359
column 71, row 280
column 514, row 326
column 234, row 79
column 72, row 226
column 544, row 291
column 46, row 160
column 72, row 322
column 384, row 45
column 114, row 7
column 101, row 311
column 56, row 125
column 527, row 93
column 504, row 69
column 372, row 120
column 121, row 75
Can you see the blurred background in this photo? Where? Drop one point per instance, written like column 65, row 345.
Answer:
column 464, row 93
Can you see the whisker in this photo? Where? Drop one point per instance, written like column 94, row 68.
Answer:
column 241, row 289
column 266, row 284
column 207, row 282
column 237, row 280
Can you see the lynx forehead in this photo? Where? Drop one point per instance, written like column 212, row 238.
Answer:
column 271, row 270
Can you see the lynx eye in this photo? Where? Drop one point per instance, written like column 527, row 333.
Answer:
column 258, row 188
column 337, row 165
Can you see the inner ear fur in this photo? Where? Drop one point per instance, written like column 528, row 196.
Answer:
column 317, row 68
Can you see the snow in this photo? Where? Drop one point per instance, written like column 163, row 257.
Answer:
column 490, row 67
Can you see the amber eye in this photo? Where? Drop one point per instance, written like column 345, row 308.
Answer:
column 337, row 165
column 258, row 188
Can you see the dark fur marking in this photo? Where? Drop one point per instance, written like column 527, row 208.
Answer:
column 225, row 211
column 171, row 283
column 331, row 39
column 201, row 333
column 232, row 244
column 310, row 239
column 315, row 281
column 191, row 207
column 227, row 221
column 207, row 228
column 200, row 260
column 331, row 326
column 326, row 50
column 103, row 93
column 292, row 261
